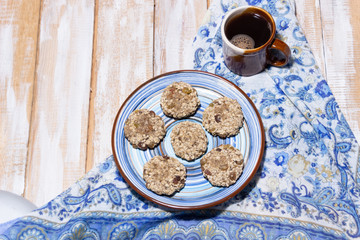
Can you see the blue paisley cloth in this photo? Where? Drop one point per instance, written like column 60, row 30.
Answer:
column 306, row 188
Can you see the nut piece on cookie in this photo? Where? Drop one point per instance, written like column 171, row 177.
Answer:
column 223, row 117
column 164, row 175
column 223, row 165
column 188, row 140
column 179, row 100
column 144, row 129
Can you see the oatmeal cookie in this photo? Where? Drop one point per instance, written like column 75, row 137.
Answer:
column 179, row 100
column 144, row 129
column 164, row 175
column 223, row 117
column 223, row 165
column 188, row 140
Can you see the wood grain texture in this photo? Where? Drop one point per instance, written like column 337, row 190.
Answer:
column 64, row 75
column 176, row 24
column 123, row 53
column 18, row 39
column 309, row 17
column 58, row 136
column 341, row 37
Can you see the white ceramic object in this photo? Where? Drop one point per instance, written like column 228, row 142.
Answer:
column 13, row 206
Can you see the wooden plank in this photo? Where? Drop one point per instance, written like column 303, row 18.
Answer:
column 341, row 32
column 18, row 38
column 58, row 136
column 309, row 17
column 176, row 24
column 123, row 59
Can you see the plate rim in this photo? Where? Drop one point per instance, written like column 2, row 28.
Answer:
column 203, row 206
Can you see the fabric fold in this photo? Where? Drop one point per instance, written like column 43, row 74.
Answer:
column 307, row 186
column 300, row 115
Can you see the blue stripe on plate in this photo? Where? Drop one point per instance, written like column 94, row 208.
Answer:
column 198, row 191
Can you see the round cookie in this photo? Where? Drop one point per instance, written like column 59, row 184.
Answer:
column 223, row 165
column 144, row 129
column 223, row 117
column 164, row 175
column 179, row 100
column 188, row 140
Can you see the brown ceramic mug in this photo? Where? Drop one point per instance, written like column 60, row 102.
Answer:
column 249, row 42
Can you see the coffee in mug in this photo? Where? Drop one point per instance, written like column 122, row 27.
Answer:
column 249, row 42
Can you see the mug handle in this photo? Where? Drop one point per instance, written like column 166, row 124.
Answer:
column 278, row 53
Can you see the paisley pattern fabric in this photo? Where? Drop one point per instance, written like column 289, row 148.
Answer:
column 306, row 188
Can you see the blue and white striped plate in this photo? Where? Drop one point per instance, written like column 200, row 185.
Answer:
column 198, row 193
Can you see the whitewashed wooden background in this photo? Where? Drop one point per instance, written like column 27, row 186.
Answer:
column 67, row 65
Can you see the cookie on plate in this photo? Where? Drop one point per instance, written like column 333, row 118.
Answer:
column 179, row 100
column 223, row 165
column 164, row 175
column 144, row 129
column 223, row 117
column 188, row 140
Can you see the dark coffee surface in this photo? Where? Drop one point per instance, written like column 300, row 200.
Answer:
column 251, row 23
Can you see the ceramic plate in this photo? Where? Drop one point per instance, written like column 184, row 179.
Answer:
column 198, row 193
column 13, row 206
